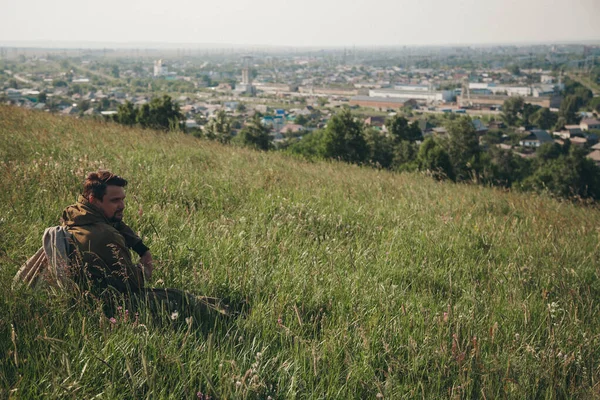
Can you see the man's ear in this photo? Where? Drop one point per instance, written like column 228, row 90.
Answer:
column 92, row 199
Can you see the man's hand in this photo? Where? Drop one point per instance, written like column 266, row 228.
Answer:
column 147, row 265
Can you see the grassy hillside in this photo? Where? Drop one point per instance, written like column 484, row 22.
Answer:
column 357, row 283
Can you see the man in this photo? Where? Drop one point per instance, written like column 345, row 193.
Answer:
column 103, row 263
column 103, row 239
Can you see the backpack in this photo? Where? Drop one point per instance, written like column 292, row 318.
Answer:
column 51, row 264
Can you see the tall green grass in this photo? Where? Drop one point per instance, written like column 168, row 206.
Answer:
column 355, row 283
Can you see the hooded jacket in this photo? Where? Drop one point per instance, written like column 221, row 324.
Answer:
column 102, row 248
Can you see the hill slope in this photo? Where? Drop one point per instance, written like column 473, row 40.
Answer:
column 356, row 283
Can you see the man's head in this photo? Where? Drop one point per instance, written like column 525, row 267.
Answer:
column 107, row 192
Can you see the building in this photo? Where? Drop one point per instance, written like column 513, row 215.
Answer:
column 588, row 124
column 245, row 87
column 496, row 101
column 535, row 138
column 480, row 128
column 493, row 89
column 422, row 96
column 579, row 141
column 13, row 93
column 488, row 88
column 414, row 88
column 314, row 90
column 573, row 130
column 380, row 103
column 547, row 79
column 276, row 123
column 594, row 156
column 376, row 121
column 276, row 88
column 292, row 128
column 159, row 68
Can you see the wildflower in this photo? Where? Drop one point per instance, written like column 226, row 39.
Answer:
column 445, row 317
column 238, row 384
column 379, row 395
column 174, row 315
column 113, row 320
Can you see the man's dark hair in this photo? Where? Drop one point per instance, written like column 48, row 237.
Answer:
column 96, row 182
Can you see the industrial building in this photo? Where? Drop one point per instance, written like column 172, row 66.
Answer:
column 524, row 91
column 382, row 103
column 496, row 101
column 427, row 96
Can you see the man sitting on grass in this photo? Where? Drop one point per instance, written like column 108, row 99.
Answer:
column 102, row 263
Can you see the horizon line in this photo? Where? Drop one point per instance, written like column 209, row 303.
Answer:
column 151, row 45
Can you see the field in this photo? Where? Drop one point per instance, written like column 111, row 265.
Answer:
column 353, row 282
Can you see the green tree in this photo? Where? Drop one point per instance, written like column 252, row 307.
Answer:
column 569, row 108
column 255, row 135
column 405, row 156
column 511, row 109
column 514, row 69
column 219, row 127
column 381, row 148
column 433, row 159
column 301, row 120
column 503, row 167
column 400, row 129
column 42, row 97
column 115, row 72
column 311, row 146
column 343, row 138
column 126, row 114
column 544, row 118
column 594, row 104
column 527, row 113
column 463, row 147
column 164, row 114
column 568, row 175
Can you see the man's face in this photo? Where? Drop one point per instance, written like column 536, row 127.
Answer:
column 113, row 203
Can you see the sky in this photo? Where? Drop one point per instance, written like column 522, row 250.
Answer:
column 307, row 23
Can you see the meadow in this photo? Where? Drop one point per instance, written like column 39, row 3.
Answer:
column 353, row 283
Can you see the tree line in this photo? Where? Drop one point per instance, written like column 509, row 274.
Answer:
column 561, row 170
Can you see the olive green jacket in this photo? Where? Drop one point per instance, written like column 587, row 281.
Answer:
column 102, row 248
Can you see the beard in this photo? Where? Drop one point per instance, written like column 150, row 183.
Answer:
column 117, row 216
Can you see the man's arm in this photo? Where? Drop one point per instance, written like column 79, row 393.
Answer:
column 109, row 260
column 135, row 243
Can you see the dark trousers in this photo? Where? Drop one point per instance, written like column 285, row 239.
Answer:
column 165, row 304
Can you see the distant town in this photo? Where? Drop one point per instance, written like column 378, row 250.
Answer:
column 296, row 91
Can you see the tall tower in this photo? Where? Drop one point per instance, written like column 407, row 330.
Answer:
column 466, row 93
column 158, row 68
column 245, row 76
column 246, row 80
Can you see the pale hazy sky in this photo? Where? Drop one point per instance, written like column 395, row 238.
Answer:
column 306, row 23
